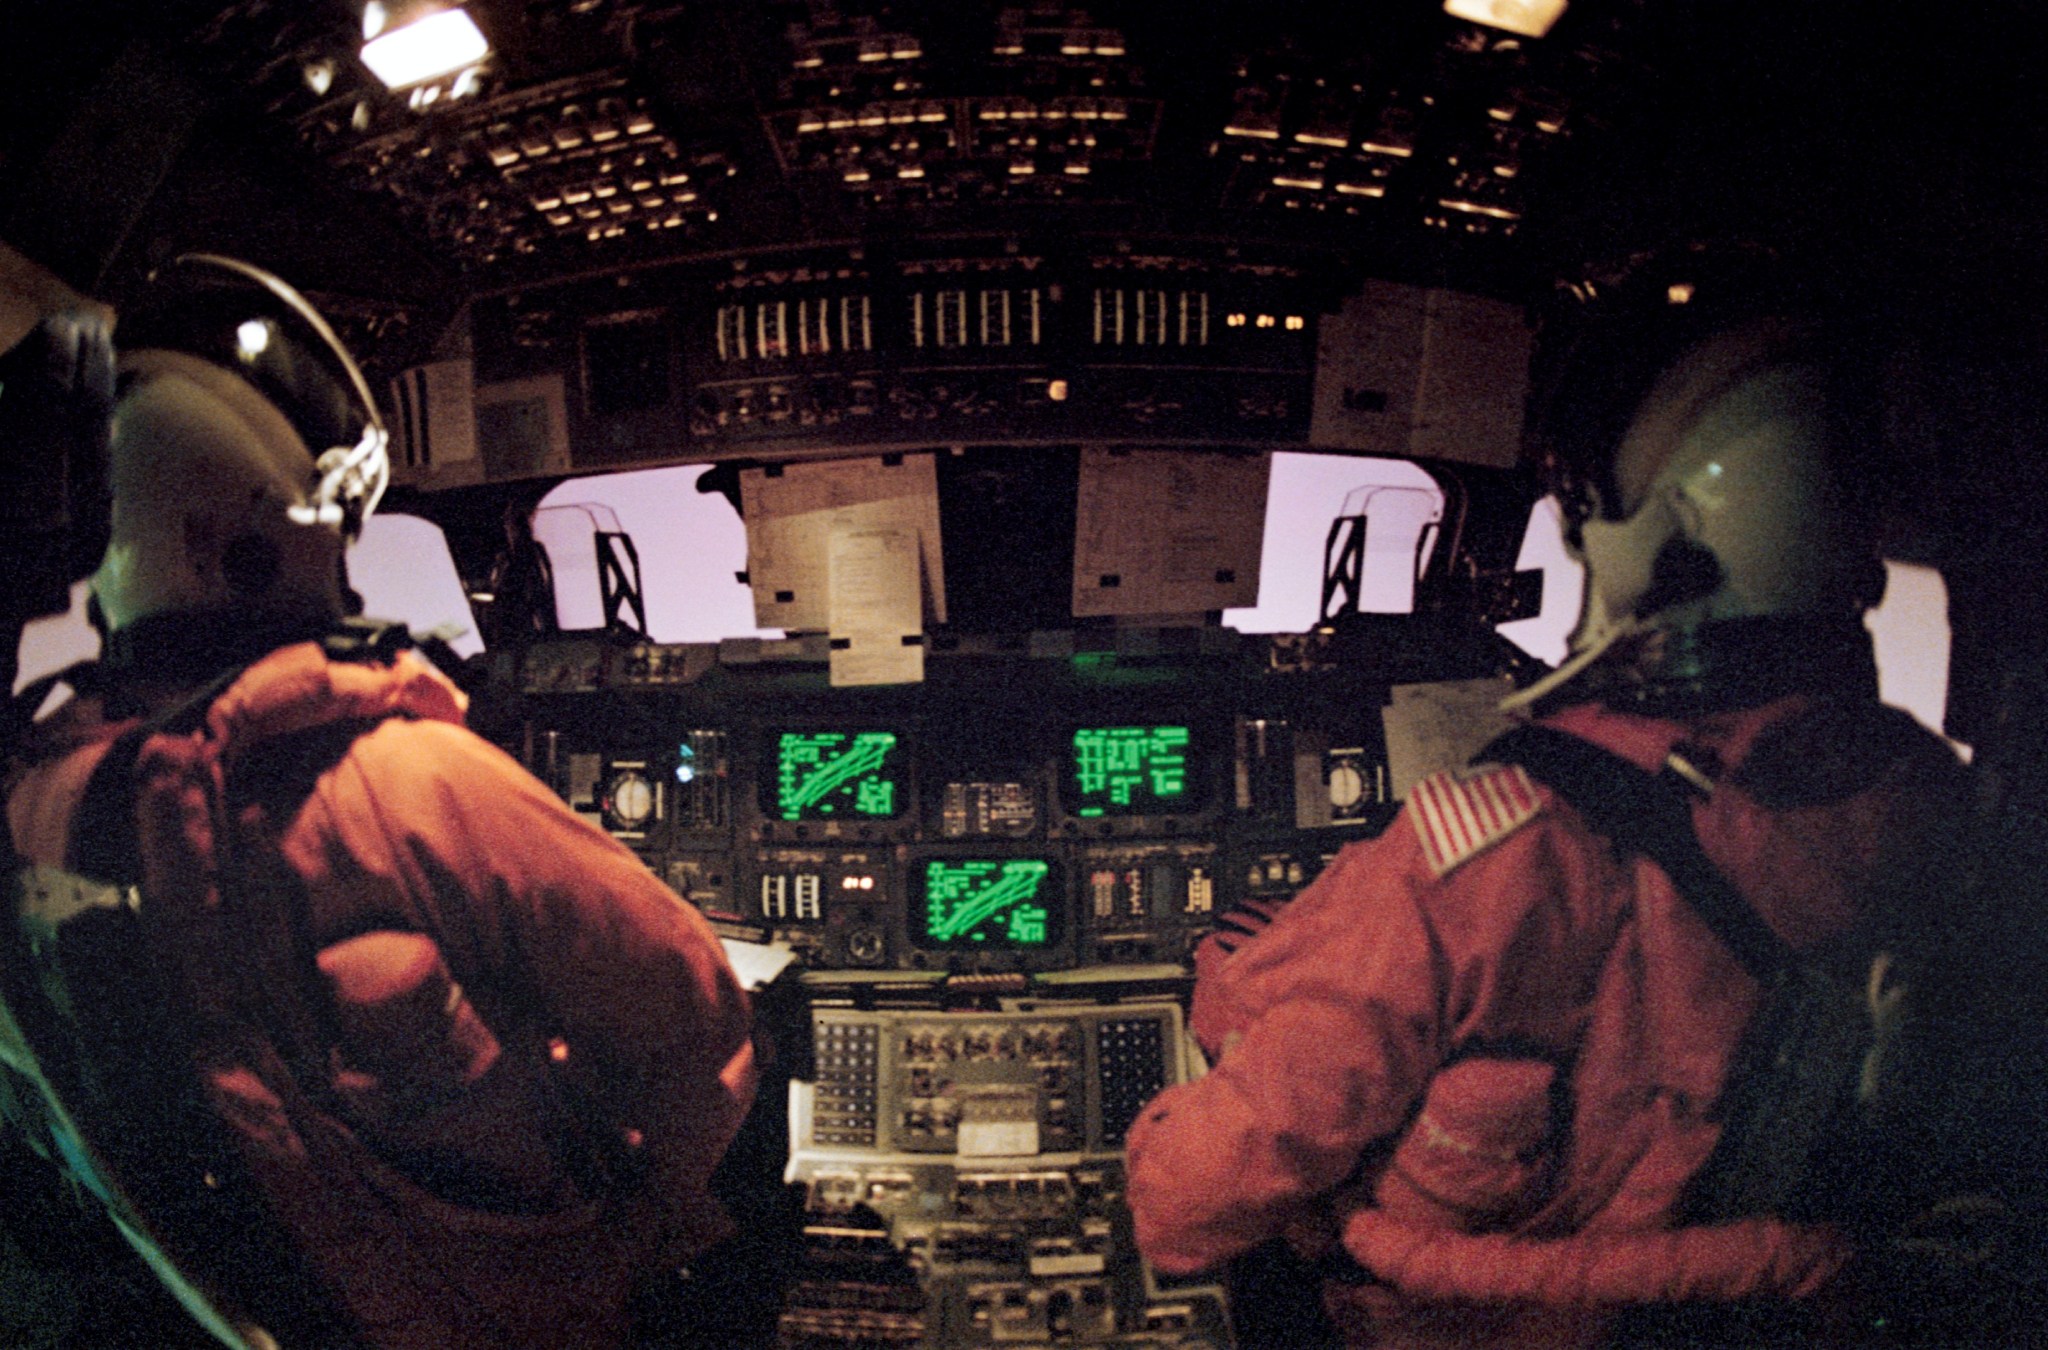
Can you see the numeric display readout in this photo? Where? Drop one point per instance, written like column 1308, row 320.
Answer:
column 1123, row 771
column 839, row 775
column 993, row 902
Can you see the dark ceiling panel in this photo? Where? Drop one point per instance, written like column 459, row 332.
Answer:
column 609, row 135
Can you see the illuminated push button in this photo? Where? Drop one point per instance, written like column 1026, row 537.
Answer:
column 1347, row 785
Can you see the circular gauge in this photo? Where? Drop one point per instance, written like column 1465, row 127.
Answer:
column 1347, row 785
column 864, row 947
column 630, row 800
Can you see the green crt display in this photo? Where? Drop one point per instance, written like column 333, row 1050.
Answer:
column 996, row 902
column 836, row 775
column 1129, row 771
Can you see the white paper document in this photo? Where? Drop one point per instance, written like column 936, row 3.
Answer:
column 1164, row 532
column 1432, row 727
column 791, row 516
column 876, row 607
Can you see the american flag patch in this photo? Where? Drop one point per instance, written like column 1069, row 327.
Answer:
column 1457, row 815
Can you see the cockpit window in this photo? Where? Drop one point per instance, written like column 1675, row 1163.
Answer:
column 692, row 548
column 1545, row 634
column 1305, row 495
column 403, row 570
column 1911, row 634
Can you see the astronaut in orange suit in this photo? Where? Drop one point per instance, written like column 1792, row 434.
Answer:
column 1485, row 1051
column 365, row 1037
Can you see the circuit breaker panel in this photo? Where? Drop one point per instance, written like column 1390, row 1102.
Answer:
column 964, row 1182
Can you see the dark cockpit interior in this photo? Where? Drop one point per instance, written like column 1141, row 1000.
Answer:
column 969, row 493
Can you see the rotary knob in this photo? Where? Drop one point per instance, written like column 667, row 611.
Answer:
column 629, row 800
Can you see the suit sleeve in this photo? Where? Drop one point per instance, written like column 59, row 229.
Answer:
column 1235, row 969
column 1331, row 1020
column 527, row 899
column 1336, row 1017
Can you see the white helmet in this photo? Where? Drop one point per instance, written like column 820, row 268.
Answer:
column 246, row 453
column 1726, row 560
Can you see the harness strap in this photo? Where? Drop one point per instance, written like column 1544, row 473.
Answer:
column 1649, row 814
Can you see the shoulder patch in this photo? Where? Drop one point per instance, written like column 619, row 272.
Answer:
column 1460, row 814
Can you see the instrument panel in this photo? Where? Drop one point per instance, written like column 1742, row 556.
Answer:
column 875, row 845
column 1038, row 817
column 993, row 881
column 964, row 1185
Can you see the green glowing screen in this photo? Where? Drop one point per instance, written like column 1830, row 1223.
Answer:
column 1129, row 771
column 838, row 775
column 993, row 902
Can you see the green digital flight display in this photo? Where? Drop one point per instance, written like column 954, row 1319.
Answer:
column 839, row 775
column 988, row 902
column 1130, row 771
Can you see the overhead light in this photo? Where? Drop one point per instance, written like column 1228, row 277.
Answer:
column 1478, row 209
column 404, row 44
column 1530, row 18
column 252, row 338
